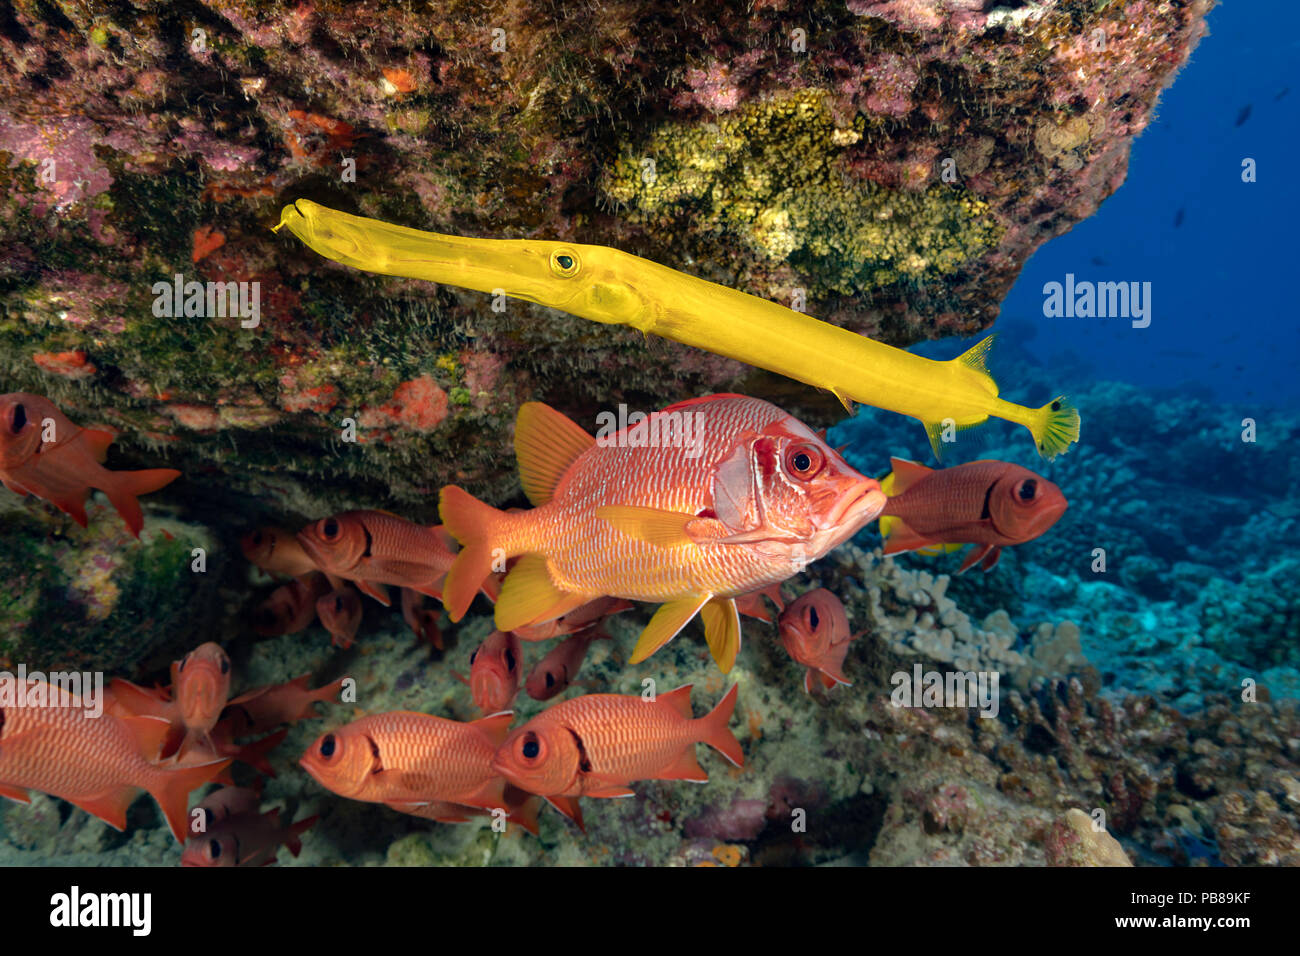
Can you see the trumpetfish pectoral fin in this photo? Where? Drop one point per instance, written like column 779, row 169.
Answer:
column 529, row 595
column 722, row 631
column 666, row 624
column 546, row 444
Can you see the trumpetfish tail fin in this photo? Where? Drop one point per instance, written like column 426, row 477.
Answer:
column 1055, row 427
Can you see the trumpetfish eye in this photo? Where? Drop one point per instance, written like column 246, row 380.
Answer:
column 565, row 263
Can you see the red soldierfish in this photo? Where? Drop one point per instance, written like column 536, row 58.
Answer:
column 375, row 548
column 98, row 764
column 559, row 668
column 249, row 839
column 276, row 551
column 201, row 685
column 267, row 707
column 422, row 621
column 690, row 524
column 406, row 757
column 990, row 504
column 340, row 614
column 220, row 805
column 594, row 746
column 291, row 607
column 576, row 620
column 815, row 630
column 43, row 454
column 494, row 672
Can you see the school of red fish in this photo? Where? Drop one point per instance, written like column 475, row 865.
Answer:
column 707, row 528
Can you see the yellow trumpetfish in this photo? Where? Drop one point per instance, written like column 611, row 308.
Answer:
column 617, row 288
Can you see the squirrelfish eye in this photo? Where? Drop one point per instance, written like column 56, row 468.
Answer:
column 804, row 461
column 510, row 660
column 1027, row 489
column 532, row 747
column 813, row 619
column 565, row 264
column 327, row 746
column 550, row 680
column 19, row 418
column 329, row 529
column 214, row 849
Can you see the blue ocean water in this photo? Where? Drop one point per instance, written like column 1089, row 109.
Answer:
column 1187, row 474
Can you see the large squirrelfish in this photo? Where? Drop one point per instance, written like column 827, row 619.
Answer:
column 97, row 763
column 691, row 525
column 44, row 454
column 594, row 746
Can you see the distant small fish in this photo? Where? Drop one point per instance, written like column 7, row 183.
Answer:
column 340, row 614
column 494, row 671
column 1281, row 93
column 276, row 551
column 576, row 620
column 248, row 839
column 1099, row 261
column 559, row 668
column 65, row 468
column 220, row 805
column 267, row 707
column 374, row 548
column 815, row 630
column 291, row 607
column 422, row 621
column 1179, row 216
column 1243, row 115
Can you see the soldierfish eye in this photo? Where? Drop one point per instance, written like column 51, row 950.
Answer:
column 804, row 461
column 214, row 849
column 813, row 619
column 532, row 746
column 510, row 660
column 550, row 680
column 565, row 263
column 329, row 529
column 1026, row 490
column 225, row 664
column 18, row 420
column 338, row 605
column 327, row 746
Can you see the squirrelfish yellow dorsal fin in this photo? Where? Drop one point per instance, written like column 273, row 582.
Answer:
column 546, row 444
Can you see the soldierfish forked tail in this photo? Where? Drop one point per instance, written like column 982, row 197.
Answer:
column 471, row 522
column 125, row 487
column 1055, row 428
column 716, row 732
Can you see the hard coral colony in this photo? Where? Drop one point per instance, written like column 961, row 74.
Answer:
column 703, row 506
